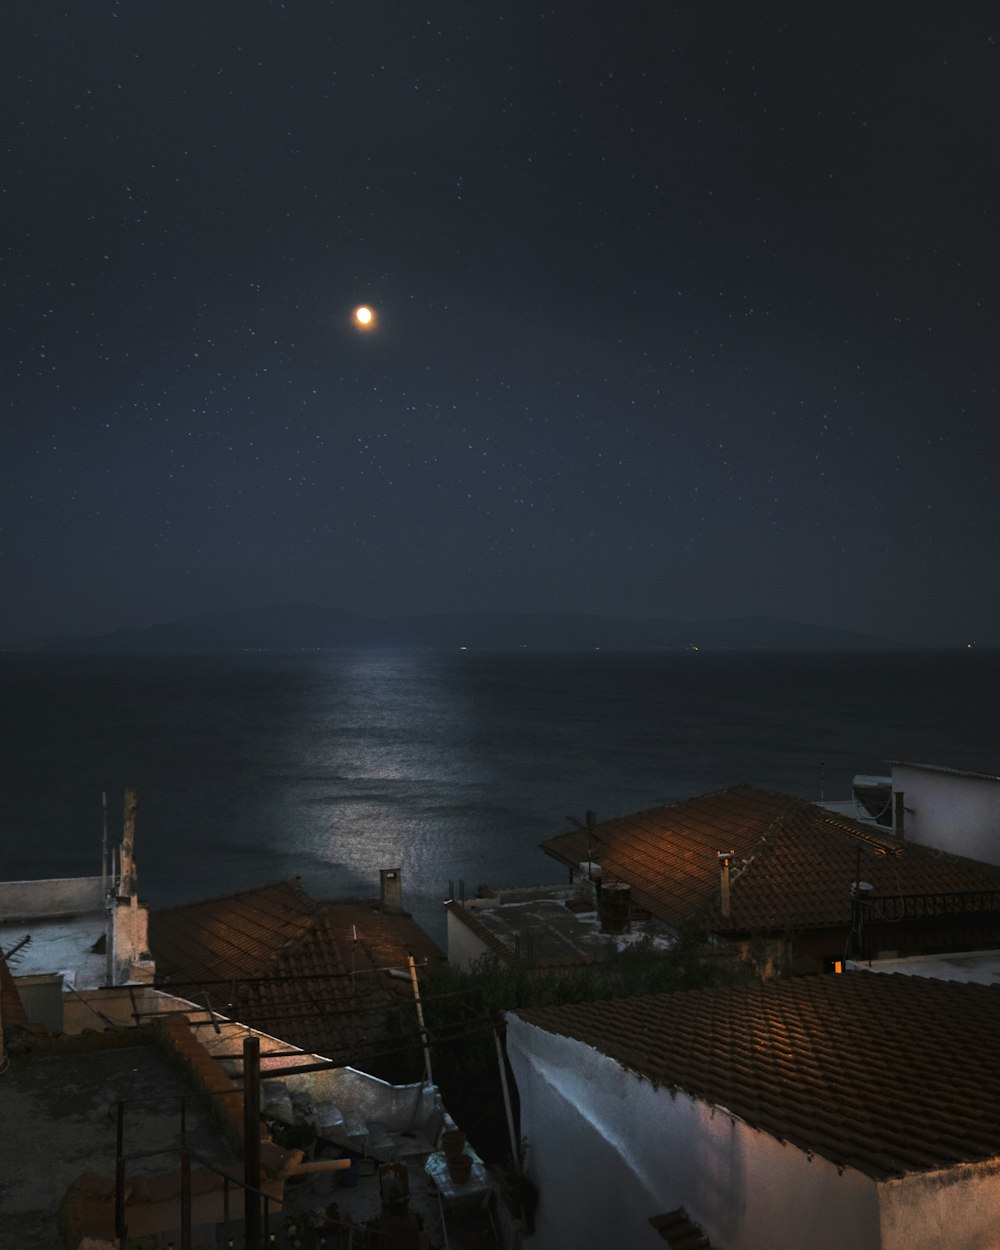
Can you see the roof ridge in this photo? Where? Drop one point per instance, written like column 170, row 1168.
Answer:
column 764, row 846
column 883, row 843
column 314, row 922
column 293, row 884
column 762, row 1052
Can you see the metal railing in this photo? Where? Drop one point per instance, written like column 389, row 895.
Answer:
column 924, row 924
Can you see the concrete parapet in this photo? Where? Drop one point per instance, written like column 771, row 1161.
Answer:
column 59, row 896
column 224, row 1098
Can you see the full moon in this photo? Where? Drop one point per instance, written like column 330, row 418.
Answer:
column 364, row 317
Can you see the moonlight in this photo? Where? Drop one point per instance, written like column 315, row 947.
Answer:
column 364, row 317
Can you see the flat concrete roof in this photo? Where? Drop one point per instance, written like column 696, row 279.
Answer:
column 58, row 944
column 538, row 923
column 979, row 967
column 59, row 1121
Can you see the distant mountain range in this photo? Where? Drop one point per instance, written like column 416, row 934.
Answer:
column 297, row 627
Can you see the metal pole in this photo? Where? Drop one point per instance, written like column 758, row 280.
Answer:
column 428, row 1074
column 354, row 989
column 251, row 1141
column 185, row 1200
column 591, row 819
column 444, row 1220
column 104, row 845
column 120, row 1175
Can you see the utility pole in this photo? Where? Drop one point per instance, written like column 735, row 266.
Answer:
column 251, row 1141
column 428, row 1074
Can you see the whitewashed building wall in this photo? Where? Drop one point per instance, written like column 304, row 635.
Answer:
column 464, row 946
column 958, row 1208
column 608, row 1151
column 954, row 812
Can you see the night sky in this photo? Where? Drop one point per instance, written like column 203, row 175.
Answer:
column 680, row 310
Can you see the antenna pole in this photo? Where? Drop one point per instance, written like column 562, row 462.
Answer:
column 104, row 843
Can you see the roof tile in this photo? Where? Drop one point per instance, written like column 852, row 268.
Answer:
column 793, row 862
column 886, row 1074
column 307, row 971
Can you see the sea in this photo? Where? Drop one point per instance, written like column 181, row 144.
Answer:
column 451, row 765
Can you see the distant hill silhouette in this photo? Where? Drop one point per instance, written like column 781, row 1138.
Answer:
column 294, row 627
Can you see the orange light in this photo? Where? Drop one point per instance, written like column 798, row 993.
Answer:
column 364, row 317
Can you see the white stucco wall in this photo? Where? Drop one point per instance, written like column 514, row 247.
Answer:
column 952, row 812
column 608, row 1151
column 464, row 947
column 42, row 1000
column 959, row 1208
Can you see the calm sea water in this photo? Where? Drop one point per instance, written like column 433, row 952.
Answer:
column 452, row 765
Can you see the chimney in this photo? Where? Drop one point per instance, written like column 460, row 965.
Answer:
column 899, row 822
column 391, row 880
column 724, row 857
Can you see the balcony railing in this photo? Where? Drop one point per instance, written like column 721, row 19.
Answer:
column 924, row 924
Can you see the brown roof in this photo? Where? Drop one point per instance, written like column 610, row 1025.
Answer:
column 237, row 935
column 290, row 965
column 389, row 937
column 884, row 1074
column 793, row 867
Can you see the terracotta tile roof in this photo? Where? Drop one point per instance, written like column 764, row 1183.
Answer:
column 289, row 965
column 884, row 1074
column 389, row 937
column 679, row 1231
column 793, row 865
column 233, row 936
